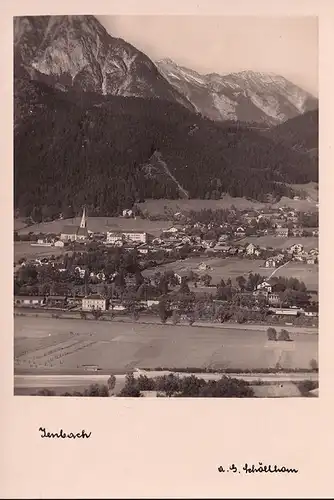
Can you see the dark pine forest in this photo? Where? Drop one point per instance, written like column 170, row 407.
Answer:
column 109, row 152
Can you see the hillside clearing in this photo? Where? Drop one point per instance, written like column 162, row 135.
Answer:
column 100, row 224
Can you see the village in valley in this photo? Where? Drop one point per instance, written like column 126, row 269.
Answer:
column 263, row 263
column 166, row 214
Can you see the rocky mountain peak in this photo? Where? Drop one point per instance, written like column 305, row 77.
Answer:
column 76, row 52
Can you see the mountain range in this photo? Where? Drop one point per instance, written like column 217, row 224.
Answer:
column 247, row 96
column 77, row 52
column 96, row 122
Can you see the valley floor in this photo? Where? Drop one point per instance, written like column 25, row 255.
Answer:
column 43, row 345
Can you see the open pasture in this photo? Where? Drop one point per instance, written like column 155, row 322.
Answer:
column 281, row 243
column 232, row 267
column 219, row 268
column 160, row 207
column 100, row 224
column 308, row 273
column 67, row 345
column 25, row 249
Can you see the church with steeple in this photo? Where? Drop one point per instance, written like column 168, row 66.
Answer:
column 75, row 233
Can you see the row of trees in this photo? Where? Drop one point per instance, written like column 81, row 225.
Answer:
column 172, row 385
column 167, row 386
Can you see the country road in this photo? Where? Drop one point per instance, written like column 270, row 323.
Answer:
column 154, row 320
column 68, row 381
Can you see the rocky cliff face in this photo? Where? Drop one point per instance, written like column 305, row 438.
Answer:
column 76, row 52
column 246, row 96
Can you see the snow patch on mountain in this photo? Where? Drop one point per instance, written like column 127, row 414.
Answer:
column 174, row 76
column 269, row 105
column 225, row 106
column 189, row 77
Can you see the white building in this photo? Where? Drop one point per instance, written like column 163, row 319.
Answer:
column 59, row 243
column 28, row 301
column 94, row 302
column 81, row 272
column 270, row 263
column 250, row 249
column 297, row 248
column 265, row 286
column 134, row 236
column 113, row 237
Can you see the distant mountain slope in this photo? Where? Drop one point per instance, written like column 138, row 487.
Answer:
column 246, row 96
column 108, row 152
column 76, row 52
column 299, row 133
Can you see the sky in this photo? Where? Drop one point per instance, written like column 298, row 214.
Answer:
column 287, row 46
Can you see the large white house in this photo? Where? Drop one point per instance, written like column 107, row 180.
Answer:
column 134, row 236
column 94, row 303
column 265, row 286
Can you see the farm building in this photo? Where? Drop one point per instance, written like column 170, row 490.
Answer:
column 240, row 232
column 286, row 312
column 282, row 232
column 274, row 299
column 270, row 263
column 28, row 301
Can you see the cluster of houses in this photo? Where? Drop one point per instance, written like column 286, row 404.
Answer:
column 90, row 303
column 211, row 236
column 97, row 302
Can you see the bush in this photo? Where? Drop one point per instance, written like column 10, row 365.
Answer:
column 97, row 313
column 271, row 334
column 145, row 384
column 130, row 390
column 175, row 317
column 226, row 387
column 111, row 382
column 314, row 365
column 170, row 384
column 191, row 319
column 306, row 386
column 284, row 335
column 97, row 390
column 45, row 392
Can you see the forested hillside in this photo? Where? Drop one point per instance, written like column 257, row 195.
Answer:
column 74, row 149
column 299, row 133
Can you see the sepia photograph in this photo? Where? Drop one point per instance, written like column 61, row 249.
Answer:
column 166, row 206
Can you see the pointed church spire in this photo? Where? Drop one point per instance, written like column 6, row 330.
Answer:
column 83, row 222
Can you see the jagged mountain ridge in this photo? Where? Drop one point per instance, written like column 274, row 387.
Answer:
column 247, row 96
column 76, row 52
